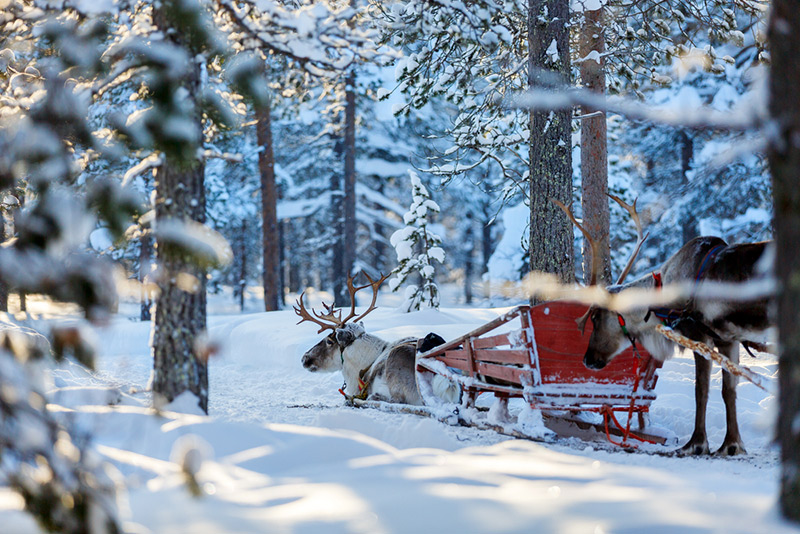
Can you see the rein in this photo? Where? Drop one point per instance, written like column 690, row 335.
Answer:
column 671, row 316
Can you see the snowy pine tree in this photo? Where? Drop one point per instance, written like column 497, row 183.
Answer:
column 417, row 247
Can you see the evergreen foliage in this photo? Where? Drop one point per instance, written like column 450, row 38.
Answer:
column 417, row 248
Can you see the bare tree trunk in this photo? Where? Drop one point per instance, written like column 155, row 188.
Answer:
column 242, row 281
column 145, row 244
column 688, row 222
column 594, row 148
column 282, row 281
column 348, row 250
column 550, row 150
column 3, row 285
column 269, row 210
column 469, row 262
column 784, row 160
column 180, row 311
column 337, row 271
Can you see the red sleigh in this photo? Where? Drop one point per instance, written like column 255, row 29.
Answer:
column 541, row 361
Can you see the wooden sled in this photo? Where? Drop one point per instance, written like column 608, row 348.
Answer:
column 536, row 353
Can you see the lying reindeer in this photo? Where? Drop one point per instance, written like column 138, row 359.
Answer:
column 372, row 368
column 720, row 323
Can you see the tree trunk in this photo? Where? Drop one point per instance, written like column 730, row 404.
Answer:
column 145, row 245
column 550, row 150
column 3, row 285
column 269, row 210
column 348, row 250
column 242, row 281
column 282, row 281
column 594, row 149
column 784, row 160
column 469, row 263
column 180, row 310
column 337, row 271
column 688, row 222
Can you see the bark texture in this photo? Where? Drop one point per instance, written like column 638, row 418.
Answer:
column 550, row 151
column 784, row 160
column 594, row 149
column 145, row 252
column 180, row 308
column 347, row 253
column 270, row 238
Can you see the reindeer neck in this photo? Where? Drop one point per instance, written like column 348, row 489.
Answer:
column 358, row 356
column 644, row 282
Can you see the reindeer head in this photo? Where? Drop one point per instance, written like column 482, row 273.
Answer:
column 609, row 337
column 328, row 354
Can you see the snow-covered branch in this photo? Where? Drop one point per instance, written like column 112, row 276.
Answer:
column 700, row 118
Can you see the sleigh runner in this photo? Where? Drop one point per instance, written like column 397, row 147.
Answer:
column 540, row 361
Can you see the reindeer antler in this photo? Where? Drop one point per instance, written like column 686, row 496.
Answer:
column 594, row 244
column 374, row 285
column 353, row 290
column 317, row 318
column 631, row 209
column 332, row 318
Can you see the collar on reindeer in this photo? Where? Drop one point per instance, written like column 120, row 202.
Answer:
column 657, row 279
column 627, row 333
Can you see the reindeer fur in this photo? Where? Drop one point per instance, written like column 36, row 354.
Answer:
column 388, row 367
column 731, row 322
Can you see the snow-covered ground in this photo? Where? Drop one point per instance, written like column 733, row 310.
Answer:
column 282, row 454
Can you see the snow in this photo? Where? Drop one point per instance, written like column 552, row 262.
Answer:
column 281, row 453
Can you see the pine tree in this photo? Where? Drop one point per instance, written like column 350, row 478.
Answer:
column 417, row 248
column 784, row 156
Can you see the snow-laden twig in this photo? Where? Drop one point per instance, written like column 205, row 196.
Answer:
column 153, row 161
column 709, row 353
column 216, row 154
column 548, row 287
column 700, row 118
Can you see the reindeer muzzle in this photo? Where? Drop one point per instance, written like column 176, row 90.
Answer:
column 308, row 364
column 591, row 361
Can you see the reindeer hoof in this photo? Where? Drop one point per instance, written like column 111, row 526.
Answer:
column 694, row 448
column 733, row 448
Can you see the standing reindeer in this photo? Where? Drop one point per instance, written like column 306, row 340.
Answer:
column 372, row 368
column 724, row 324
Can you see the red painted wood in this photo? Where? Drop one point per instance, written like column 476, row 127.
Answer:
column 490, row 342
column 561, row 347
column 456, row 355
column 511, row 356
column 501, row 372
column 455, row 363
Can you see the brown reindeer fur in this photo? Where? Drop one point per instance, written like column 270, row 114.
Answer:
column 720, row 323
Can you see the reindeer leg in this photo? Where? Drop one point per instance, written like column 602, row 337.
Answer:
column 732, row 444
column 698, row 443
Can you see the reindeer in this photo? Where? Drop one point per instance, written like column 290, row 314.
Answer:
column 372, row 368
column 723, row 324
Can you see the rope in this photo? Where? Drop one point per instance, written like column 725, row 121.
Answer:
column 708, row 352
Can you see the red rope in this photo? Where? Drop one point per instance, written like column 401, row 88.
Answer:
column 608, row 412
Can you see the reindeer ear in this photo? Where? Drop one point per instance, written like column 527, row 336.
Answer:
column 344, row 336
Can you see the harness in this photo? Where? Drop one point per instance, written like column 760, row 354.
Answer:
column 671, row 316
column 363, row 385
